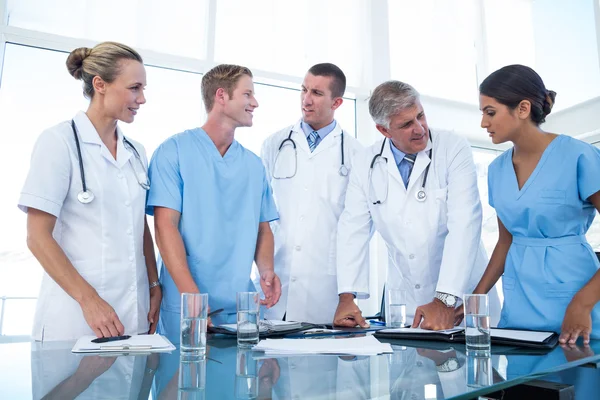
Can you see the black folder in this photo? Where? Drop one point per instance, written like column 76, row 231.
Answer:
column 499, row 336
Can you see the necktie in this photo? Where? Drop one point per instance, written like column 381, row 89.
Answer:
column 409, row 163
column 312, row 140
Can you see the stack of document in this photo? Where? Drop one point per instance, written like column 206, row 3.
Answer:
column 359, row 346
column 268, row 326
column 135, row 344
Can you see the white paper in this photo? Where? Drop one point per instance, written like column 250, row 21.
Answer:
column 136, row 343
column 365, row 345
column 423, row 331
column 529, row 336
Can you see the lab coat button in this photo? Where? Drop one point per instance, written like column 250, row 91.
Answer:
column 127, row 203
column 129, row 231
column 293, row 279
column 419, row 364
column 132, row 288
column 302, row 218
column 120, row 176
column 298, row 248
column 411, row 256
column 417, row 286
column 131, row 258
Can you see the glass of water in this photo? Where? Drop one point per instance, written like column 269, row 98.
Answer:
column 248, row 305
column 479, row 371
column 246, row 375
column 192, row 378
column 395, row 316
column 477, row 322
column 194, row 307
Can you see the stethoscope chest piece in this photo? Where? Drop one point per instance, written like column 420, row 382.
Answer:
column 344, row 170
column 85, row 197
column 421, row 195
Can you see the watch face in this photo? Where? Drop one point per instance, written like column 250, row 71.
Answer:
column 453, row 364
column 451, row 300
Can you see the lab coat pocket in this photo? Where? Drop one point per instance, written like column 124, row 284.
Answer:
column 552, row 196
column 562, row 290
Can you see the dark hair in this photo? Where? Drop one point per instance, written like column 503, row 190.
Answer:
column 514, row 83
column 338, row 85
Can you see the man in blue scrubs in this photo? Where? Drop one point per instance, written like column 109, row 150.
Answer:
column 212, row 205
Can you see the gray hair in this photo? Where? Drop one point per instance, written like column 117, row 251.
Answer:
column 389, row 98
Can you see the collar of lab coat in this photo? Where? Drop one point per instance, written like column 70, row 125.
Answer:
column 421, row 162
column 301, row 143
column 89, row 135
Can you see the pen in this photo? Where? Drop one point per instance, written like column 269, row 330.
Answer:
column 374, row 322
column 110, row 339
column 210, row 314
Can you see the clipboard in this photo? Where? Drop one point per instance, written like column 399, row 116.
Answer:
column 136, row 344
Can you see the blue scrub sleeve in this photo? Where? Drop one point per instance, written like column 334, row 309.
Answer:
column 268, row 210
column 166, row 185
column 490, row 180
column 588, row 169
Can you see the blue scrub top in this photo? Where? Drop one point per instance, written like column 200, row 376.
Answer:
column 222, row 200
column 550, row 259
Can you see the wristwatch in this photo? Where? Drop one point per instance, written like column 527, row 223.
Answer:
column 451, row 364
column 448, row 299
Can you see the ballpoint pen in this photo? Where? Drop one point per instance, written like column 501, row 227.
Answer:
column 210, row 314
column 111, row 339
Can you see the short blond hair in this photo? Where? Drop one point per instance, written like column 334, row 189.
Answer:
column 102, row 60
column 224, row 76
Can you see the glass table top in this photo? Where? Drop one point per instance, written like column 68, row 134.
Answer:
column 416, row 370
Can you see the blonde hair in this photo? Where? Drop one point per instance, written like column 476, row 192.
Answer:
column 224, row 76
column 103, row 60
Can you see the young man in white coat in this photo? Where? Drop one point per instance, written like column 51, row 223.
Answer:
column 308, row 166
column 418, row 189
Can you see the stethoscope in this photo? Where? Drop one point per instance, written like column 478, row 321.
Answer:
column 421, row 195
column 86, row 196
column 343, row 171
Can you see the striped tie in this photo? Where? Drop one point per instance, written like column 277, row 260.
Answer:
column 410, row 163
column 312, row 140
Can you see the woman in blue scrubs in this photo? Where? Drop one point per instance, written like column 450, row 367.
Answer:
column 545, row 190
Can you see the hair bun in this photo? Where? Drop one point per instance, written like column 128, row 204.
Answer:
column 549, row 101
column 75, row 61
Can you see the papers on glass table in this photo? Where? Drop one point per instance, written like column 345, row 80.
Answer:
column 135, row 344
column 359, row 346
column 268, row 325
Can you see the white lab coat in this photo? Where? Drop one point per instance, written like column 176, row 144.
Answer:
column 433, row 245
column 102, row 239
column 309, row 206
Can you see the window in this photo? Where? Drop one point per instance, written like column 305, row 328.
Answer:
column 175, row 27
column 290, row 36
column 500, row 41
column 489, row 233
column 432, row 47
column 558, row 39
